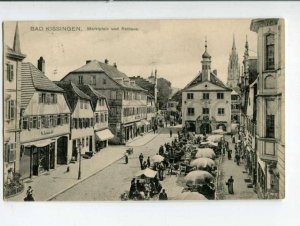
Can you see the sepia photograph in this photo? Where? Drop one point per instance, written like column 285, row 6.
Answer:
column 144, row 110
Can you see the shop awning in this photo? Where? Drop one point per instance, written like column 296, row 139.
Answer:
column 145, row 122
column 105, row 134
column 139, row 124
column 40, row 143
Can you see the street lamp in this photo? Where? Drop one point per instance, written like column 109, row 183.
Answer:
column 79, row 169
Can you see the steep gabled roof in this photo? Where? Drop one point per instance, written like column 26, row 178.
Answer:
column 32, row 79
column 145, row 84
column 213, row 79
column 110, row 70
column 72, row 93
column 93, row 94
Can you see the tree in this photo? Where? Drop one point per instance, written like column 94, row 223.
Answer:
column 164, row 92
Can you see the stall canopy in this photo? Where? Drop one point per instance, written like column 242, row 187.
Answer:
column 147, row 173
column 145, row 122
column 139, row 124
column 105, row 134
column 40, row 143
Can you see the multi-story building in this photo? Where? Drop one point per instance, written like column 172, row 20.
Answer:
column 248, row 88
column 235, row 106
column 100, row 108
column 206, row 101
column 270, row 107
column 13, row 58
column 82, row 119
column 127, row 101
column 45, row 121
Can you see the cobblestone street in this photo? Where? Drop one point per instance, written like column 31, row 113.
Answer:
column 230, row 168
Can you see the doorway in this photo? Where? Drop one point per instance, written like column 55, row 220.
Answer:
column 205, row 128
column 62, row 150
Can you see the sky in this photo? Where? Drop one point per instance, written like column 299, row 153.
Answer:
column 173, row 47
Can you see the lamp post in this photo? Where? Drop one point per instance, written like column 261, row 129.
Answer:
column 79, row 169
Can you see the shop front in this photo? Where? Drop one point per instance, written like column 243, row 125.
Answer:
column 37, row 157
column 101, row 138
column 146, row 127
column 128, row 131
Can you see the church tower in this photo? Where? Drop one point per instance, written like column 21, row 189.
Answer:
column 233, row 68
column 206, row 64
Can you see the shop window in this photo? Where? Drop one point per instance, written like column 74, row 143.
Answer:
column 205, row 96
column 270, row 62
column 10, row 72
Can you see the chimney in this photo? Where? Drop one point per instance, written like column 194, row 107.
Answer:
column 215, row 72
column 106, row 61
column 88, row 61
column 41, row 64
column 115, row 65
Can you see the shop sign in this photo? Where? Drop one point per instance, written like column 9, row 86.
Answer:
column 47, row 132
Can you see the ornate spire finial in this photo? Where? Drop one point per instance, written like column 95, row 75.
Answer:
column 205, row 43
column 16, row 45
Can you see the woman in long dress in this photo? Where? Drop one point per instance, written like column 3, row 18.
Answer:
column 230, row 185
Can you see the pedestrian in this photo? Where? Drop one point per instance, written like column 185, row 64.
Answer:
column 229, row 184
column 238, row 158
column 29, row 194
column 161, row 171
column 126, row 157
column 171, row 133
column 161, row 150
column 144, row 165
column 229, row 154
column 141, row 158
column 163, row 195
column 148, row 162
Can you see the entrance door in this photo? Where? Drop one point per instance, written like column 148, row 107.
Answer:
column 91, row 144
column 52, row 156
column 205, row 128
column 35, row 162
column 62, row 150
column 74, row 150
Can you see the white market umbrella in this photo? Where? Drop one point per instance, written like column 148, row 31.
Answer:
column 147, row 173
column 190, row 196
column 157, row 158
column 198, row 177
column 203, row 163
column 215, row 138
column 218, row 131
column 205, row 153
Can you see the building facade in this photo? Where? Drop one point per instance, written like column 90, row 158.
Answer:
column 206, row 101
column 270, row 107
column 45, row 123
column 13, row 58
column 82, row 120
column 235, row 107
column 127, row 101
column 100, row 108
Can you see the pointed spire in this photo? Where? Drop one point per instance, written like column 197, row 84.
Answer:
column 16, row 45
column 205, row 44
column 233, row 44
column 205, row 54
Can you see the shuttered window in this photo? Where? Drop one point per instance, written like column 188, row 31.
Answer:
column 10, row 109
column 10, row 72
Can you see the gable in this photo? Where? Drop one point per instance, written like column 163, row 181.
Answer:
column 206, row 86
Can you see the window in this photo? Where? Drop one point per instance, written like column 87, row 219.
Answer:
column 10, row 152
column 220, row 95
column 270, row 52
column 113, row 111
column 104, row 81
column 85, row 104
column 270, row 126
column 66, row 119
column 10, row 114
column 93, row 80
column 80, row 79
column 81, row 104
column 51, row 121
column 82, row 142
column 206, row 96
column 25, row 123
column 190, row 96
column 39, row 122
column 87, row 141
column 113, row 95
column 97, row 117
column 42, row 98
column 34, row 122
column 105, row 117
column 10, row 72
column 190, row 111
column 205, row 111
column 53, row 98
column 102, row 117
column 221, row 111
column 59, row 120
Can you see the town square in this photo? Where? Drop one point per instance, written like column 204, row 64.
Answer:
column 183, row 118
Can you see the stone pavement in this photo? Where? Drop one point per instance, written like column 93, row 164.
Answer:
column 230, row 168
column 142, row 140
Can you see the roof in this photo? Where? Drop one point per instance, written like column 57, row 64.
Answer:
column 32, row 79
column 94, row 94
column 110, row 70
column 72, row 93
column 253, row 73
column 145, row 84
column 213, row 79
column 13, row 54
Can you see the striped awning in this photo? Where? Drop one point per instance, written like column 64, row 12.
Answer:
column 104, row 135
